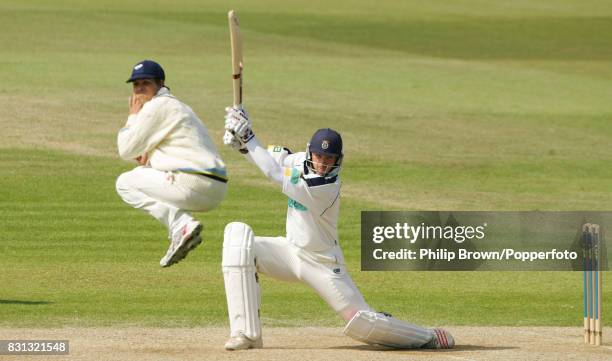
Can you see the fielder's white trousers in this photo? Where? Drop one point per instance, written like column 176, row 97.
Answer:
column 169, row 196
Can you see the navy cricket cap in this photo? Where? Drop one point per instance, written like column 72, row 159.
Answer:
column 147, row 69
column 326, row 141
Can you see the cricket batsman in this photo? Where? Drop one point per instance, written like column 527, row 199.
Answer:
column 179, row 168
column 309, row 252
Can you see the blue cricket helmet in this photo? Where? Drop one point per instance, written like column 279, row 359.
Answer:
column 147, row 69
column 325, row 141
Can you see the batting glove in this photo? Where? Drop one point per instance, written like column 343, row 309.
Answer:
column 230, row 140
column 237, row 122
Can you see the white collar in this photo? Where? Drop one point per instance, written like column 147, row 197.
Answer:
column 163, row 91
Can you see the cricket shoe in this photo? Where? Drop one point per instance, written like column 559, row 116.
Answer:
column 183, row 241
column 243, row 343
column 442, row 339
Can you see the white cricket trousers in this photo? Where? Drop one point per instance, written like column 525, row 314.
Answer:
column 325, row 272
column 169, row 196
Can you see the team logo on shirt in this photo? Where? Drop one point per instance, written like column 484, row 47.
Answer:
column 325, row 144
column 296, row 205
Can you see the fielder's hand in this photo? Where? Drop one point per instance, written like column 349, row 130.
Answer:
column 143, row 160
column 137, row 101
column 237, row 122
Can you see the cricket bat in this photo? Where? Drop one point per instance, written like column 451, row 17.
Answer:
column 237, row 67
column 236, row 43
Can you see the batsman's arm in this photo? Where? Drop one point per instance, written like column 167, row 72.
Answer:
column 264, row 161
column 284, row 156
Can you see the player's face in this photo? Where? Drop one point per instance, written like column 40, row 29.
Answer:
column 147, row 87
column 323, row 163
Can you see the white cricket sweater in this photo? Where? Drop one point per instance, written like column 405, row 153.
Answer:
column 173, row 137
column 314, row 201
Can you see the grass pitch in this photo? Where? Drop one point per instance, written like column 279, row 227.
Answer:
column 449, row 105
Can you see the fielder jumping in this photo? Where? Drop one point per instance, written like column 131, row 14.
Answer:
column 180, row 170
column 309, row 252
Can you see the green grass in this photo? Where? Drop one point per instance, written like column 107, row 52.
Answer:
column 74, row 254
column 445, row 105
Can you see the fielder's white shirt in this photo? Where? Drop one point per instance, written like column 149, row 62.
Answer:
column 314, row 201
column 172, row 135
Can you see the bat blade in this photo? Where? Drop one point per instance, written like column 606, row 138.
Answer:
column 237, row 67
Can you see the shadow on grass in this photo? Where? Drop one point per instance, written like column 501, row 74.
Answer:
column 20, row 302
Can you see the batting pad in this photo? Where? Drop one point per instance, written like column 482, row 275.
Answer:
column 241, row 287
column 380, row 329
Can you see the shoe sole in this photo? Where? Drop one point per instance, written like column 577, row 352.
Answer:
column 186, row 246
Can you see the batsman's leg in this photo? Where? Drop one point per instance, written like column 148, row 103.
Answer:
column 241, row 287
column 380, row 328
column 326, row 273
